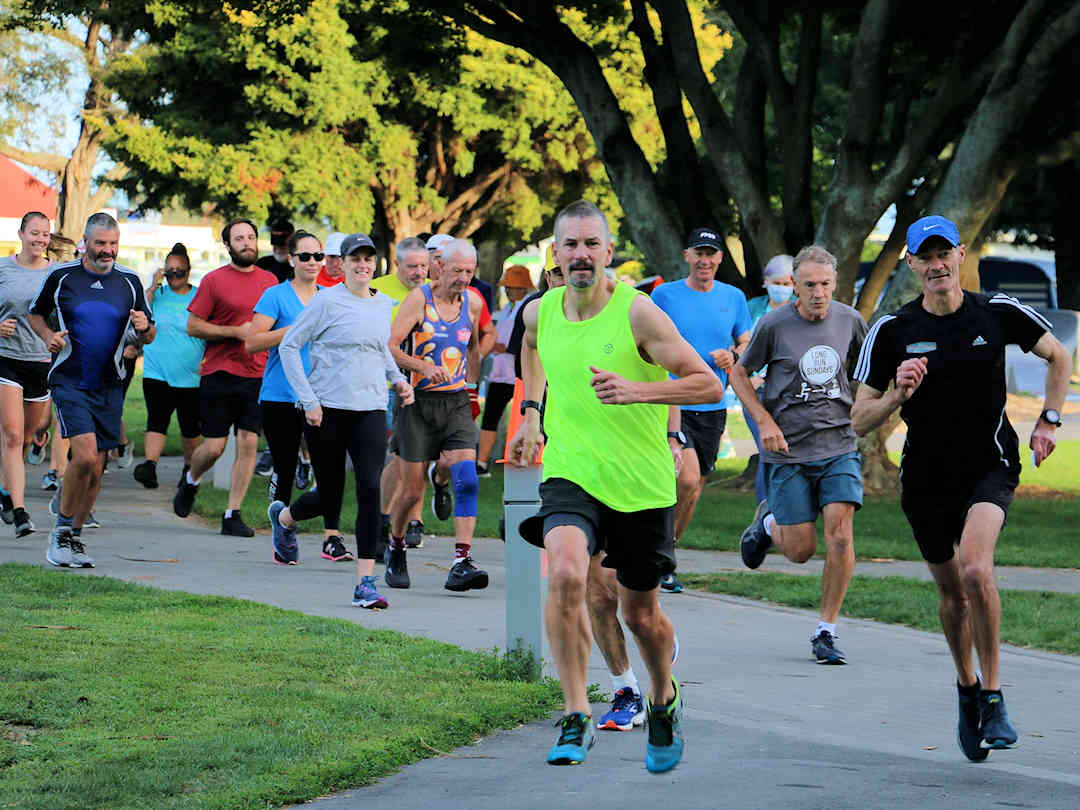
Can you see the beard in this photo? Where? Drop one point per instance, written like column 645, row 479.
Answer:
column 579, row 281
column 243, row 259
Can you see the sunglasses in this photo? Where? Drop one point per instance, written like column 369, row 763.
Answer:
column 307, row 257
column 175, row 273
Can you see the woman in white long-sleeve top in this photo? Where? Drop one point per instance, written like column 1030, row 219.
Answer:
column 344, row 403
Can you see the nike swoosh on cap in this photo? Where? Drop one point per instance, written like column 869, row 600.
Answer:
column 930, row 227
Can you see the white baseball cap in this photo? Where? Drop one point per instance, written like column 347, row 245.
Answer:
column 438, row 240
column 333, row 244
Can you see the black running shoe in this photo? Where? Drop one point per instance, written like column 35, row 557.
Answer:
column 146, row 474
column 969, row 728
column 442, row 501
column 414, row 534
column 465, row 576
column 235, row 527
column 23, row 524
column 823, row 648
column 755, row 542
column 265, row 465
column 184, row 499
column 303, row 475
column 333, row 548
column 997, row 729
column 7, row 508
column 397, row 569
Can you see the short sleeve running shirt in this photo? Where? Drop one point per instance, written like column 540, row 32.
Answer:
column 19, row 287
column 174, row 356
column 283, row 305
column 707, row 320
column 957, row 426
column 95, row 309
column 227, row 297
column 807, row 390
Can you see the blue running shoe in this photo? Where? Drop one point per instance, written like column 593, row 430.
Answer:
column 664, row 749
column 997, row 729
column 576, row 737
column 670, row 583
column 627, row 711
column 286, row 549
column 366, row 596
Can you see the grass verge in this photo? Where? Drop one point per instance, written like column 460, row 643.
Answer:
column 121, row 696
column 1037, row 619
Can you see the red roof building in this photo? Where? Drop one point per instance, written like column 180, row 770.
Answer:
column 23, row 192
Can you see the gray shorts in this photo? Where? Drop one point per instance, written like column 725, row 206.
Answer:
column 433, row 423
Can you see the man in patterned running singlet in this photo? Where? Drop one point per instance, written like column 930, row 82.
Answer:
column 441, row 319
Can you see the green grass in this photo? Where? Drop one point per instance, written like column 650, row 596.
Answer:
column 1037, row 619
column 115, row 695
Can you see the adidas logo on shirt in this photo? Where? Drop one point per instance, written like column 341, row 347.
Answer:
column 97, row 285
column 978, row 341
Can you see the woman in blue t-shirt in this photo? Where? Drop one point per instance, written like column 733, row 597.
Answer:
column 170, row 365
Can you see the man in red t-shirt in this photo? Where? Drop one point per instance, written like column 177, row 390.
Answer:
column 333, row 273
column 221, row 314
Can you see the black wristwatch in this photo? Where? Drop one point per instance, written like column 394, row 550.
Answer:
column 1051, row 417
column 735, row 357
column 531, row 403
column 678, row 436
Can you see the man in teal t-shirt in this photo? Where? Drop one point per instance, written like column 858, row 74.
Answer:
column 714, row 319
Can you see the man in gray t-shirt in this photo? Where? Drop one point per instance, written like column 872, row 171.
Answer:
column 810, row 348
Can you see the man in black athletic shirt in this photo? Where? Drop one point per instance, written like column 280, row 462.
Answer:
column 945, row 354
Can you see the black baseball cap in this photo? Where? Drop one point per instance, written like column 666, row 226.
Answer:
column 280, row 231
column 356, row 241
column 705, row 237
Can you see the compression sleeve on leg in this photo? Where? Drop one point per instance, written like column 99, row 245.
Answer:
column 466, row 487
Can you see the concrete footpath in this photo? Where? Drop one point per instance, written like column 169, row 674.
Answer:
column 765, row 726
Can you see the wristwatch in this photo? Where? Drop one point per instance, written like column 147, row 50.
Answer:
column 1051, row 417
column 531, row 403
column 734, row 357
column 678, row 436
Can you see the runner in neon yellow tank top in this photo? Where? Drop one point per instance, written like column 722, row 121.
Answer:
column 604, row 354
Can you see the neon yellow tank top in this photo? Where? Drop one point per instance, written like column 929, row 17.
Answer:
column 619, row 454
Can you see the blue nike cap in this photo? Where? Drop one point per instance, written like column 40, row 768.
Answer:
column 923, row 229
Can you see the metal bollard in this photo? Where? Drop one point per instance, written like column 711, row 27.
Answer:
column 526, row 572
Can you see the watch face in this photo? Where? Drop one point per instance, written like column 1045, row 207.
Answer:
column 1051, row 416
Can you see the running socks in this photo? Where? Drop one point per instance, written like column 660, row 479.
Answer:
column 825, row 626
column 466, row 488
column 627, row 679
column 461, row 551
column 769, row 522
column 397, row 543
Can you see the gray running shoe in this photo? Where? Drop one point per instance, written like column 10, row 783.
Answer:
column 50, row 481
column 79, row 557
column 414, row 534
column 59, row 550
column 36, row 454
column 54, row 501
column 265, row 465
column 91, row 522
column 124, row 458
column 755, row 543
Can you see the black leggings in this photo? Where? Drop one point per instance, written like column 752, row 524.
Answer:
column 283, row 424
column 498, row 397
column 361, row 434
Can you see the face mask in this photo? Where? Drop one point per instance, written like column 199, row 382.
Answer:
column 778, row 293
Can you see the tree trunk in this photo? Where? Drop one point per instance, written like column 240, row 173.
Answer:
column 1066, row 237
column 880, row 475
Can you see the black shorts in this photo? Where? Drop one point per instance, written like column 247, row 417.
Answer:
column 32, row 376
column 162, row 399
column 498, row 397
column 640, row 545
column 703, row 430
column 228, row 401
column 433, row 423
column 937, row 519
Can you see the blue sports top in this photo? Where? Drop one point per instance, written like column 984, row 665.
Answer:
column 95, row 310
column 174, row 356
column 707, row 320
column 281, row 303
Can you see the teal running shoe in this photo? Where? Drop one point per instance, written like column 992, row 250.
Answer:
column 576, row 737
column 664, row 749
